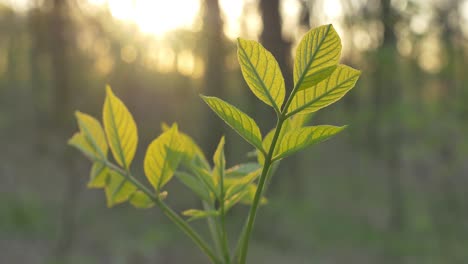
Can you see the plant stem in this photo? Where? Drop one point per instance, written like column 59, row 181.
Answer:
column 223, row 233
column 186, row 228
column 283, row 116
column 259, row 192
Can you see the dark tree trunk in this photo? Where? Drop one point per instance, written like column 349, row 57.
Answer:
column 213, row 44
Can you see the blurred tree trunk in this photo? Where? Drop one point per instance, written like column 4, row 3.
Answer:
column 60, row 31
column 214, row 51
column 387, row 96
column 272, row 39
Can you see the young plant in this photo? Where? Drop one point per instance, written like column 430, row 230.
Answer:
column 319, row 80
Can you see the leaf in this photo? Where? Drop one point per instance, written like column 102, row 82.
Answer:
column 93, row 134
column 98, row 177
column 236, row 185
column 194, row 184
column 118, row 189
column 261, row 72
column 299, row 139
column 238, row 120
column 317, row 55
column 219, row 163
column 78, row 140
column 326, row 92
column 162, row 158
column 191, row 151
column 120, row 129
column 249, row 195
column 242, row 169
column 140, row 200
column 199, row 214
column 246, row 196
column 206, row 178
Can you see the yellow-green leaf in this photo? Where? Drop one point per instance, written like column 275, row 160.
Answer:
column 242, row 169
column 238, row 120
column 162, row 158
column 317, row 55
column 93, row 134
column 98, row 177
column 298, row 139
column 195, row 185
column 140, row 200
column 219, row 162
column 199, row 214
column 191, row 151
column 236, row 185
column 261, row 72
column 118, row 189
column 120, row 129
column 206, row 178
column 326, row 92
column 78, row 140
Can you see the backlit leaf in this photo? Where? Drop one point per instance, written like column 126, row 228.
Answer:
column 118, row 189
column 98, row 177
column 199, row 214
column 140, row 200
column 299, row 139
column 242, row 169
column 194, row 184
column 261, row 72
column 317, row 55
column 238, row 120
column 78, row 140
column 120, row 129
column 93, row 134
column 326, row 92
column 162, row 158
column 219, row 162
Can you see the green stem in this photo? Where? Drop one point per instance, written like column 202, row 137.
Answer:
column 187, row 229
column 223, row 232
column 244, row 247
column 212, row 228
column 259, row 193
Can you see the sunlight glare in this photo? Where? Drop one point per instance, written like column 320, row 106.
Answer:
column 155, row 17
column 332, row 8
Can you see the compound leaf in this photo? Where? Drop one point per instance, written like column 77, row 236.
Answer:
column 118, row 189
column 199, row 214
column 140, row 200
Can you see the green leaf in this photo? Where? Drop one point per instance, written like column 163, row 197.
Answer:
column 206, row 178
column 140, row 200
column 238, row 120
column 237, row 185
column 326, row 92
column 120, row 129
column 242, row 169
column 98, row 177
column 199, row 214
column 261, row 72
column 219, row 162
column 118, row 189
column 299, row 139
column 246, row 196
column 249, row 195
column 192, row 153
column 162, row 158
column 194, row 184
column 91, row 129
column 317, row 55
column 78, row 140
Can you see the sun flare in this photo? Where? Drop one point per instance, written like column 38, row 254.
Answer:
column 155, row 17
